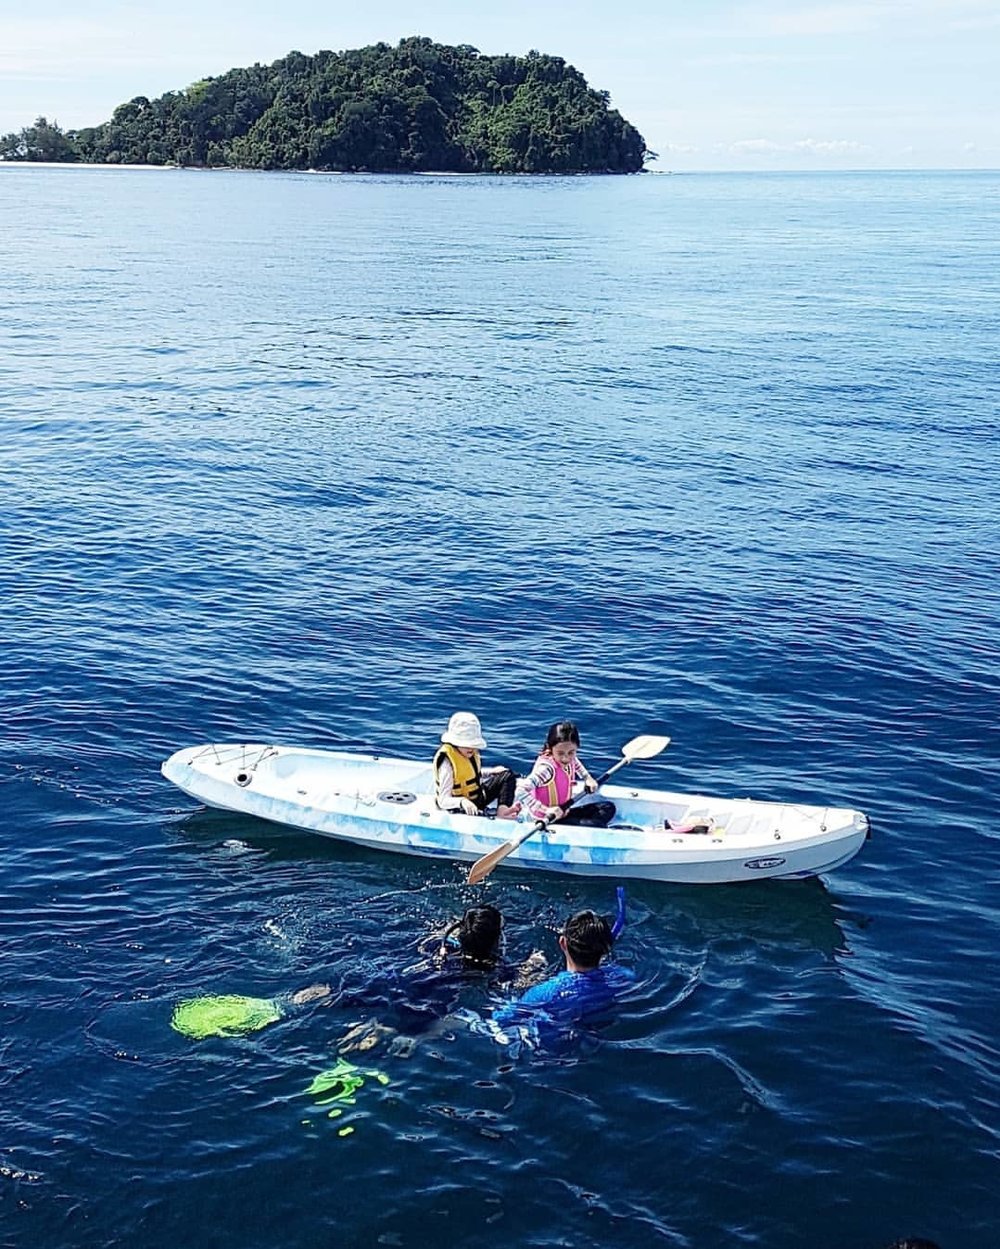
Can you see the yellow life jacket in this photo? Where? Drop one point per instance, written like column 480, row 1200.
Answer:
column 468, row 783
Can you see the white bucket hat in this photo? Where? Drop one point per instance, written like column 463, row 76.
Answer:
column 464, row 730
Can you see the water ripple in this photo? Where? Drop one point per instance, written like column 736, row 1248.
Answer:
column 711, row 457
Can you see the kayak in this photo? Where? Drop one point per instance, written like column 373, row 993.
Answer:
column 387, row 804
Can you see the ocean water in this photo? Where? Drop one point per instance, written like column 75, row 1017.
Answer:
column 321, row 459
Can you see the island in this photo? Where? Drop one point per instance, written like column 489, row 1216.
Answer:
column 417, row 107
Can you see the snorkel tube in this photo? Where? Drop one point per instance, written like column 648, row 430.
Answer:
column 619, row 924
column 450, row 944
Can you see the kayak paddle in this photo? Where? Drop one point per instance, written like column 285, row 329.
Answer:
column 643, row 747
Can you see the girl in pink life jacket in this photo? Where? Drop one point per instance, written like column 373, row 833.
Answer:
column 545, row 791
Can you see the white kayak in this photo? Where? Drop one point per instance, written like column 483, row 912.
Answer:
column 388, row 804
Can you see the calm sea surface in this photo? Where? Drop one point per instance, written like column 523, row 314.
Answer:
column 319, row 460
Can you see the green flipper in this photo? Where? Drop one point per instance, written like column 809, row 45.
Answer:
column 337, row 1086
column 230, row 1014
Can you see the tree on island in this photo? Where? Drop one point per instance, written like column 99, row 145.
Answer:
column 44, row 141
column 420, row 106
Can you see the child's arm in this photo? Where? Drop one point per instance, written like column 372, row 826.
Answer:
column 589, row 784
column 524, row 793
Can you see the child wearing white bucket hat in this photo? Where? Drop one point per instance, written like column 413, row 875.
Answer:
column 461, row 783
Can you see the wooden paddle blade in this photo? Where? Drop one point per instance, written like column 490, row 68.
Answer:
column 482, row 867
column 644, row 747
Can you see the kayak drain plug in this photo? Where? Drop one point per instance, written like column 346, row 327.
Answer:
column 243, row 778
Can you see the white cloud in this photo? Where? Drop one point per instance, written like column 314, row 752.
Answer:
column 730, row 59
column 25, row 50
column 36, row 49
column 833, row 19
column 984, row 21
column 854, row 17
column 82, row 48
column 798, row 147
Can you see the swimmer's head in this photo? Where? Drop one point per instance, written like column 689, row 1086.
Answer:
column 586, row 938
column 478, row 933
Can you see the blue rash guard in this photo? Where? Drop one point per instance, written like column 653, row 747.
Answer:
column 568, row 998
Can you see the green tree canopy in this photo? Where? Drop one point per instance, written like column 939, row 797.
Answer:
column 43, row 141
column 415, row 107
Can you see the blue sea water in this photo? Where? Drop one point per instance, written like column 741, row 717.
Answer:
column 320, row 459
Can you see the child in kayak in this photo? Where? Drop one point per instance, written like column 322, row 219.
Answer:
column 545, row 791
column 461, row 783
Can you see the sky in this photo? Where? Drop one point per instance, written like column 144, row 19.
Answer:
column 711, row 85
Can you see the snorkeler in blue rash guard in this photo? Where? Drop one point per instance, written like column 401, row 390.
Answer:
column 585, row 988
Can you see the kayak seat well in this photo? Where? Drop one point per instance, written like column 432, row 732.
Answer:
column 347, row 774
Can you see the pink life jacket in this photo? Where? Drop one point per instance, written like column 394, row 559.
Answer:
column 557, row 792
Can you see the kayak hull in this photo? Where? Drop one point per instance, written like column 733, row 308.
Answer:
column 387, row 804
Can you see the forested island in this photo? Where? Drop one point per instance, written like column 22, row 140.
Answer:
column 419, row 106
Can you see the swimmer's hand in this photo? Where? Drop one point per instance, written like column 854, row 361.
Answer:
column 532, row 971
column 364, row 1036
column 313, row 993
